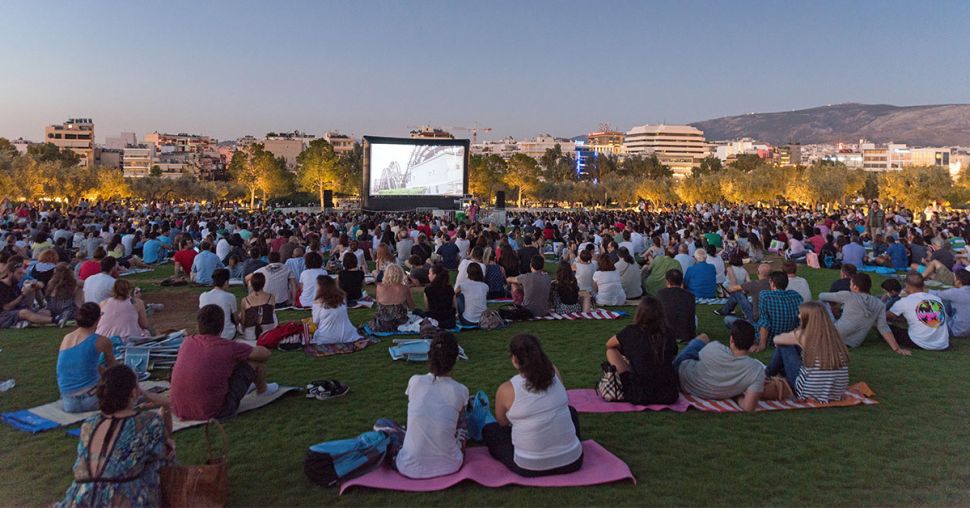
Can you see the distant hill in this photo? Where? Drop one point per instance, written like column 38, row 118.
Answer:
column 939, row 125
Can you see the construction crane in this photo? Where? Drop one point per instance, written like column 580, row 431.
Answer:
column 474, row 130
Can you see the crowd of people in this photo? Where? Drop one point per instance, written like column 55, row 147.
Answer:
column 64, row 265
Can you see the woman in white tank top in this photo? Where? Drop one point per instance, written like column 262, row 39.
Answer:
column 536, row 432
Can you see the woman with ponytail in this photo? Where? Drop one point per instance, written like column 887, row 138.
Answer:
column 643, row 355
column 122, row 449
column 433, row 445
column 536, row 433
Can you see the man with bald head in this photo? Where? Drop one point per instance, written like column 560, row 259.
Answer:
column 739, row 297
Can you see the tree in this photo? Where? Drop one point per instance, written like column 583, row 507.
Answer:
column 49, row 152
column 821, row 183
column 639, row 166
column 257, row 170
column 317, row 168
column 914, row 187
column 7, row 146
column 658, row 190
column 351, row 170
column 558, row 166
column 111, row 184
column 522, row 175
column 746, row 162
column 622, row 189
column 699, row 189
column 708, row 165
column 156, row 171
column 485, row 174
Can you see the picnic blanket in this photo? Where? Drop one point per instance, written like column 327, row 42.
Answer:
column 370, row 331
column 588, row 401
column 857, row 394
column 237, row 282
column 416, row 350
column 593, row 314
column 133, row 271
column 599, row 467
column 249, row 402
column 343, row 348
column 710, row 301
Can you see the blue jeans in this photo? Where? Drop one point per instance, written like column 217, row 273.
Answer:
column 787, row 360
column 691, row 351
column 738, row 299
column 80, row 402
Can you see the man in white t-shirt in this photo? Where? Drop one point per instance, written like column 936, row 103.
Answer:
column 220, row 295
column 463, row 245
column 476, row 257
column 796, row 283
column 279, row 281
column 925, row 315
column 97, row 288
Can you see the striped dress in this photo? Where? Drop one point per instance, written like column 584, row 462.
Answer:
column 821, row 385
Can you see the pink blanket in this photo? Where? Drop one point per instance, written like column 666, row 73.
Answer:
column 587, row 401
column 599, row 466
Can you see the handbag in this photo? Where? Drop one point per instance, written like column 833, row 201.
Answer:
column 609, row 387
column 205, row 485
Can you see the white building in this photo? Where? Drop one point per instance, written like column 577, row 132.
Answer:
column 138, row 160
column 122, row 141
column 679, row 146
column 504, row 148
column 537, row 146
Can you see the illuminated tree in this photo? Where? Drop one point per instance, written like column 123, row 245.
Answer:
column 317, row 168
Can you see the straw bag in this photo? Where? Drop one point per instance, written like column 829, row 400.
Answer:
column 205, row 485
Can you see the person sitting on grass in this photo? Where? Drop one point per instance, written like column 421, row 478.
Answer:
column 98, row 287
column 212, row 375
column 607, row 284
column 564, row 292
column 714, row 371
column 439, row 297
column 701, row 278
column 220, row 295
column 654, row 274
column 957, row 302
column 204, row 263
column 535, row 287
column 257, row 311
column 122, row 449
column 891, row 292
column 679, row 307
column 738, row 297
column 536, row 432
column 65, row 295
column 777, row 310
column 796, row 283
column 471, row 296
column 394, row 300
column 78, row 370
column 494, row 276
column 845, row 279
column 925, row 317
column 643, row 354
column 307, row 280
column 124, row 314
column 330, row 314
column 279, row 281
column 812, row 358
column 351, row 279
column 418, row 269
column 860, row 312
column 435, row 439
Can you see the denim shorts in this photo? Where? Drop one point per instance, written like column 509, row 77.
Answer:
column 80, row 402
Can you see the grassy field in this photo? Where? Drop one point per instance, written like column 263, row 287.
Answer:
column 911, row 449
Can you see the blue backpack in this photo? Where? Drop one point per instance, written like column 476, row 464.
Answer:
column 331, row 462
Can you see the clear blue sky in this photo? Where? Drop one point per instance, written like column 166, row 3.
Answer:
column 248, row 67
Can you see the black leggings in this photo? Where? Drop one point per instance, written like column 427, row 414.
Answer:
column 499, row 442
column 243, row 375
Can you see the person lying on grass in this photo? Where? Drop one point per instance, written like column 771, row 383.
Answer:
column 212, row 375
column 714, row 371
column 435, row 439
column 812, row 358
column 536, row 432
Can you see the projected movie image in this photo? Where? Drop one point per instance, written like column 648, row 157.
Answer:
column 416, row 170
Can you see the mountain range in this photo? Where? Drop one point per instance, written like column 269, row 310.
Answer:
column 934, row 125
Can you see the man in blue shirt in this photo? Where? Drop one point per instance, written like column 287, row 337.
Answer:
column 449, row 254
column 853, row 253
column 777, row 309
column 205, row 263
column 701, row 279
column 153, row 251
column 895, row 255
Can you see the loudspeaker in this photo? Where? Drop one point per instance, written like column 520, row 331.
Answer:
column 328, row 198
column 500, row 200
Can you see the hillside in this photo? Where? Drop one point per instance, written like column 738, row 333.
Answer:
column 938, row 125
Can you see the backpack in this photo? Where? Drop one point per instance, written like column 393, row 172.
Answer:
column 514, row 312
column 491, row 320
column 287, row 336
column 331, row 462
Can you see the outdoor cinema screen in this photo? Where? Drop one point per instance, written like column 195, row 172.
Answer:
column 413, row 168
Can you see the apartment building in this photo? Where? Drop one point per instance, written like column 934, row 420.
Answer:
column 342, row 144
column 76, row 134
column 138, row 160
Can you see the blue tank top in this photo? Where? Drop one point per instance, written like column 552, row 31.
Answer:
column 77, row 367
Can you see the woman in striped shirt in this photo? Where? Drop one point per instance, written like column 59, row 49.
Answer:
column 813, row 358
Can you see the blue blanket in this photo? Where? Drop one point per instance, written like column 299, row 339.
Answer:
column 367, row 329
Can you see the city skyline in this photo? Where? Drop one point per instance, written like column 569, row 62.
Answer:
column 231, row 69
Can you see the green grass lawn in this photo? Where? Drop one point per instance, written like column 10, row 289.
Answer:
column 912, row 448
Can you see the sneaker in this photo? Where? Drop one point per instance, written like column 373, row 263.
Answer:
column 327, row 389
column 61, row 322
column 21, row 324
column 719, row 312
column 271, row 388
